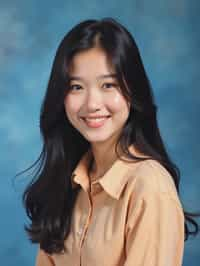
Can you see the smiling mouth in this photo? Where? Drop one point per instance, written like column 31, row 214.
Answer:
column 95, row 122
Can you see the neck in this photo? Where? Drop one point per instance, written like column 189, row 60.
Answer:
column 102, row 158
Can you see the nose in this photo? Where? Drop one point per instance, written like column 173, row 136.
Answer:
column 93, row 100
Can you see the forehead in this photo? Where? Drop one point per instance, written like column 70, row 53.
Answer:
column 91, row 62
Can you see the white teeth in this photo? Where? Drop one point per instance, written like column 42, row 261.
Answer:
column 95, row 119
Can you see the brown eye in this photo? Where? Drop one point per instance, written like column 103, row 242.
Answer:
column 109, row 85
column 74, row 87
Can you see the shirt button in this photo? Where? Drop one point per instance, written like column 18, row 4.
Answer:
column 96, row 187
column 80, row 232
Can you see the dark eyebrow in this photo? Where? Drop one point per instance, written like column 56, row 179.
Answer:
column 114, row 75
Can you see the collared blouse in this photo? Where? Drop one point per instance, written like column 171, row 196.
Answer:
column 131, row 217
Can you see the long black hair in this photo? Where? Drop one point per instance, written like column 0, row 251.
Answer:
column 49, row 198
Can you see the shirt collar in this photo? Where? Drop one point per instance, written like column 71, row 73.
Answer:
column 113, row 181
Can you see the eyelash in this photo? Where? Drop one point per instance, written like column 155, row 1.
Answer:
column 107, row 83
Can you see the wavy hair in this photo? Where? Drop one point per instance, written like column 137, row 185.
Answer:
column 49, row 198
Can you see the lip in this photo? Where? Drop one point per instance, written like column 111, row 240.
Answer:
column 95, row 124
column 99, row 116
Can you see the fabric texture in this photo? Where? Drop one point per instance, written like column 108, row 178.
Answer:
column 131, row 217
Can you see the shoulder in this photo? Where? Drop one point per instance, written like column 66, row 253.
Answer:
column 149, row 178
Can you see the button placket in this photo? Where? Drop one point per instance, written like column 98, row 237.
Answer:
column 83, row 224
column 83, row 230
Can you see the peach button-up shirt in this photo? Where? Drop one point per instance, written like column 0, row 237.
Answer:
column 131, row 217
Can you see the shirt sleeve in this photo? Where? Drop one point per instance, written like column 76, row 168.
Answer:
column 155, row 232
column 43, row 259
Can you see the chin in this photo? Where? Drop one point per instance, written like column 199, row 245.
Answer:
column 97, row 139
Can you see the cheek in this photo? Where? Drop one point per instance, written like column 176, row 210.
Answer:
column 118, row 103
column 71, row 105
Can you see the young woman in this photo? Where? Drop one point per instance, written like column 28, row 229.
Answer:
column 105, row 192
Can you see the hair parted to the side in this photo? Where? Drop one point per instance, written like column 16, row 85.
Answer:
column 49, row 198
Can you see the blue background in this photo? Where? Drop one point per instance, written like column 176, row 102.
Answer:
column 167, row 33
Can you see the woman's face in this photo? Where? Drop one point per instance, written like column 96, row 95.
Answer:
column 94, row 92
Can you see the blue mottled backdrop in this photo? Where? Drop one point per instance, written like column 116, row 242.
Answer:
column 167, row 32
